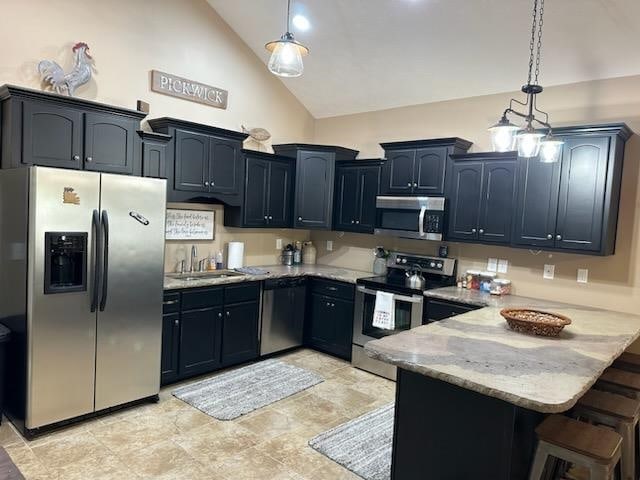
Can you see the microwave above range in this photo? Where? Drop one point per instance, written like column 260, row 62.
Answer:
column 419, row 218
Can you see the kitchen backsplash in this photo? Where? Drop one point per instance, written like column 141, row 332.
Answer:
column 259, row 244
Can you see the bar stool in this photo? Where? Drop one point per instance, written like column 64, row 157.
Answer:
column 628, row 361
column 618, row 412
column 619, row 381
column 597, row 449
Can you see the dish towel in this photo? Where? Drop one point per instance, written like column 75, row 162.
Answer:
column 384, row 311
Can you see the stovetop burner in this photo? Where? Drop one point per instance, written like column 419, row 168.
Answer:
column 438, row 272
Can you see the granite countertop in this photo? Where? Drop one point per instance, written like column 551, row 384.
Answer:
column 484, row 299
column 479, row 352
column 274, row 271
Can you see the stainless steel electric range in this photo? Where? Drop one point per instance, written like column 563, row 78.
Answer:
column 438, row 272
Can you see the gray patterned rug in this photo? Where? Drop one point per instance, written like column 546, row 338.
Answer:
column 235, row 393
column 362, row 445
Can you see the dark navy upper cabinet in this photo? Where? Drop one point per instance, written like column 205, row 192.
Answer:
column 109, row 143
column 65, row 132
column 204, row 163
column 267, row 193
column 480, row 194
column 418, row 167
column 314, row 184
column 572, row 205
column 154, row 154
column 356, row 188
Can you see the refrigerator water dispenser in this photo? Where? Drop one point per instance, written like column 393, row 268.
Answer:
column 65, row 262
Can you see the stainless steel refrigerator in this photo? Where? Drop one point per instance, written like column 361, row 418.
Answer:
column 81, row 279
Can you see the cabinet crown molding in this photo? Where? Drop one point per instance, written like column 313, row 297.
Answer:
column 431, row 142
column 162, row 124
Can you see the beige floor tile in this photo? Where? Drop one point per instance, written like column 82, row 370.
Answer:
column 292, row 450
column 133, row 434
column 268, row 423
column 29, row 465
column 255, row 465
column 321, row 364
column 156, row 460
column 351, row 402
column 8, row 434
column 103, row 465
column 72, row 448
column 214, row 443
column 311, row 410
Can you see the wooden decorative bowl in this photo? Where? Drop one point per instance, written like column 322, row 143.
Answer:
column 535, row 322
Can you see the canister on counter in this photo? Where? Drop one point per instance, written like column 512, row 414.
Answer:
column 473, row 279
column 485, row 281
column 500, row 286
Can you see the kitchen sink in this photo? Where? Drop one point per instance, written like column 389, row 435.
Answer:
column 192, row 276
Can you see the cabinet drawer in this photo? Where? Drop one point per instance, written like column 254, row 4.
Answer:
column 441, row 309
column 201, row 298
column 243, row 292
column 333, row 289
column 171, row 303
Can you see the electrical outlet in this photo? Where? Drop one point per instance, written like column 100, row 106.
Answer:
column 583, row 275
column 492, row 265
column 329, row 245
column 549, row 272
column 503, row 265
column 278, row 244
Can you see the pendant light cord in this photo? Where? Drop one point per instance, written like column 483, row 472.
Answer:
column 289, row 14
column 535, row 47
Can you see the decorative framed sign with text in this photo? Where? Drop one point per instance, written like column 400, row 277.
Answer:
column 186, row 89
column 190, row 225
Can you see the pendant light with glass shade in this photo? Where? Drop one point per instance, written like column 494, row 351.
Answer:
column 505, row 136
column 286, row 53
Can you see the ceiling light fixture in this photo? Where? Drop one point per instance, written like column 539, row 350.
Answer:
column 286, row 53
column 301, row 22
column 505, row 136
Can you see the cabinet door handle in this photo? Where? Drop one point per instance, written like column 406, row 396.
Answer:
column 89, row 159
column 228, row 314
column 353, row 221
column 219, row 314
column 549, row 237
column 328, row 304
column 333, row 289
column 409, row 184
column 206, row 184
column 415, row 185
column 357, row 222
column 270, row 217
column 473, row 230
column 170, row 302
column 558, row 237
column 299, row 219
column 266, row 217
column 213, row 183
column 76, row 158
column 176, row 322
column 333, row 304
column 481, row 231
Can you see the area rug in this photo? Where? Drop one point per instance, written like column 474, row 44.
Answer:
column 362, row 445
column 238, row 392
column 8, row 470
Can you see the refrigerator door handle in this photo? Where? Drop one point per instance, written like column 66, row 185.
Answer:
column 105, row 261
column 95, row 224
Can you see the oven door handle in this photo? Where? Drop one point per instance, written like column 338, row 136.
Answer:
column 402, row 298
column 423, row 210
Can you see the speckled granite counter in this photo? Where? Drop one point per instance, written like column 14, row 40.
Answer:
column 477, row 351
column 483, row 299
column 274, row 271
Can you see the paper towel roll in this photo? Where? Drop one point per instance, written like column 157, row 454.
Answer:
column 235, row 257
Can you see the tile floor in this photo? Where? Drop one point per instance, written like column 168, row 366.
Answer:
column 172, row 440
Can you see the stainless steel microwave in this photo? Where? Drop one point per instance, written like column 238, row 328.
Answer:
column 421, row 218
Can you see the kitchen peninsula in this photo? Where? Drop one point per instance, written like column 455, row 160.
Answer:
column 469, row 387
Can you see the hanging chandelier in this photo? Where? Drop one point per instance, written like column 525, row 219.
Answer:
column 505, row 136
column 286, row 53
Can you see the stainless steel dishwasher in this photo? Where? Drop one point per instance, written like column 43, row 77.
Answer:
column 282, row 314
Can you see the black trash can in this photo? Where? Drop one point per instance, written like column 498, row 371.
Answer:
column 5, row 335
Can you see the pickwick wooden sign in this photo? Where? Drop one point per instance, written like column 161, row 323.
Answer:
column 188, row 89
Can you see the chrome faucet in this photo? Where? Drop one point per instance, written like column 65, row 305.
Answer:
column 194, row 258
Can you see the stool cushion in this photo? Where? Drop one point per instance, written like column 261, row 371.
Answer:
column 610, row 404
column 595, row 442
column 622, row 378
column 628, row 361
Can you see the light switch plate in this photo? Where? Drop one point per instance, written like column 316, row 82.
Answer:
column 503, row 265
column 278, row 244
column 329, row 245
column 549, row 272
column 583, row 275
column 492, row 265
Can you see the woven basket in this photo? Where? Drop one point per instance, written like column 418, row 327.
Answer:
column 535, row 322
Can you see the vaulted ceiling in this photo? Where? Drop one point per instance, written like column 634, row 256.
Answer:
column 375, row 54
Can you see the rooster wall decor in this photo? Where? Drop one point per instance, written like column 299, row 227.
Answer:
column 61, row 82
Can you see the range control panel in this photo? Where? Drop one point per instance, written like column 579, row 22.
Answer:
column 443, row 266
